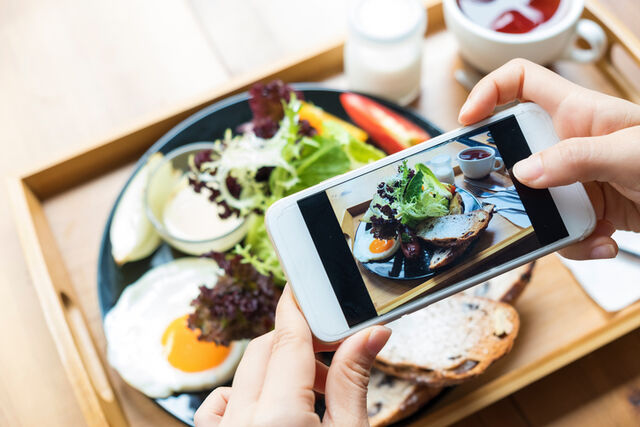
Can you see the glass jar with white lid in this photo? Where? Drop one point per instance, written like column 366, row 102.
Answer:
column 383, row 52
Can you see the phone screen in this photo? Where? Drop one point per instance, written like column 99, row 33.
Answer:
column 427, row 221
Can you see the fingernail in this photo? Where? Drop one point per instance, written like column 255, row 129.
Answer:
column 603, row 252
column 463, row 110
column 529, row 169
column 377, row 339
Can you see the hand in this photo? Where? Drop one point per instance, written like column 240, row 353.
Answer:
column 278, row 374
column 600, row 146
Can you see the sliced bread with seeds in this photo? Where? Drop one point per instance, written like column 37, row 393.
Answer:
column 454, row 230
column 449, row 341
column 442, row 257
column 391, row 399
column 506, row 287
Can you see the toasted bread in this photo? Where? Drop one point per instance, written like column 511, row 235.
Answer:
column 505, row 288
column 488, row 208
column 453, row 230
column 442, row 257
column 450, row 341
column 390, row 399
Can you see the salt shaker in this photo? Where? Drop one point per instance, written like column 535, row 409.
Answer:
column 441, row 168
column 383, row 52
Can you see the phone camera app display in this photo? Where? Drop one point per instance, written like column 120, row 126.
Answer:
column 429, row 221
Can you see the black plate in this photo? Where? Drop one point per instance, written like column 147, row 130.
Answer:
column 400, row 268
column 207, row 124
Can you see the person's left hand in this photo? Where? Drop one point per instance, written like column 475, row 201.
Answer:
column 278, row 374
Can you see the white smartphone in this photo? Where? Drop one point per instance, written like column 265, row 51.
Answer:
column 384, row 240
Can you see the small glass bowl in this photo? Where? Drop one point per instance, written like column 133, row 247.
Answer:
column 163, row 181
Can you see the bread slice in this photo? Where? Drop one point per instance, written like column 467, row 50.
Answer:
column 442, row 257
column 454, row 230
column 488, row 208
column 449, row 341
column 390, row 399
column 507, row 287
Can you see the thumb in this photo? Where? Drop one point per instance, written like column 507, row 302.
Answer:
column 601, row 158
column 348, row 377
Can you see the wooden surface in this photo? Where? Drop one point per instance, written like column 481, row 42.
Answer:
column 73, row 71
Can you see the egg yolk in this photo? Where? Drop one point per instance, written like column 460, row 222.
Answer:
column 378, row 246
column 185, row 352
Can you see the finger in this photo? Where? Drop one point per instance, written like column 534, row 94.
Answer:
column 518, row 79
column 321, row 377
column 598, row 245
column 321, row 347
column 210, row 413
column 348, row 377
column 249, row 377
column 291, row 369
column 602, row 158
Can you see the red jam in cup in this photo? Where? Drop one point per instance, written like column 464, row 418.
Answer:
column 514, row 17
column 476, row 154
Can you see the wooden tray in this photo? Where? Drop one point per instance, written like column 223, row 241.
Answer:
column 61, row 208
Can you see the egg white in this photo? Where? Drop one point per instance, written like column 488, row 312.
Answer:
column 363, row 239
column 135, row 325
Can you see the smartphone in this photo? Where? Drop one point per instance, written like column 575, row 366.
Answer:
column 384, row 240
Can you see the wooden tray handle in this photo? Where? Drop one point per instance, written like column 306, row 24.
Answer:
column 621, row 62
column 91, row 361
column 63, row 316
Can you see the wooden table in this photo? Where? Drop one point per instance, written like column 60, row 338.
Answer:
column 72, row 71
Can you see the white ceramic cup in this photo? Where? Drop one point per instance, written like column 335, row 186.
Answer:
column 479, row 168
column 555, row 39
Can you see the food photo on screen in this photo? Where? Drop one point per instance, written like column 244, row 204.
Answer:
column 423, row 222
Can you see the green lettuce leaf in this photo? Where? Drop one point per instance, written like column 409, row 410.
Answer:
column 414, row 188
column 359, row 153
column 320, row 163
column 431, row 183
column 257, row 250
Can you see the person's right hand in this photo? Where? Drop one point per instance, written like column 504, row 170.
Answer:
column 600, row 146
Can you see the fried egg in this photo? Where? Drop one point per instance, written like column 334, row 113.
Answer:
column 367, row 248
column 149, row 342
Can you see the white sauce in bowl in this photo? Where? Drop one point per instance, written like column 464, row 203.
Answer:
column 189, row 215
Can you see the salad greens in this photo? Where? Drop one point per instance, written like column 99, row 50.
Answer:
column 405, row 199
column 425, row 197
column 241, row 305
column 257, row 250
column 245, row 173
column 273, row 156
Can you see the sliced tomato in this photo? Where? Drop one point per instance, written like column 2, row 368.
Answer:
column 387, row 129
